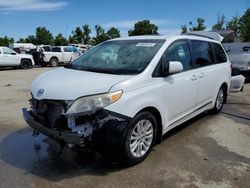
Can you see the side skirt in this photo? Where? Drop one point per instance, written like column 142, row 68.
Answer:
column 187, row 117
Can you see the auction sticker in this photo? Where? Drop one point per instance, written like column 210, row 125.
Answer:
column 146, row 44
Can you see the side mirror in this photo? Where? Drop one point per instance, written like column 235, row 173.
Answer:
column 175, row 67
column 13, row 53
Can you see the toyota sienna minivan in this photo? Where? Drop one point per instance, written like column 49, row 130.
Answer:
column 123, row 105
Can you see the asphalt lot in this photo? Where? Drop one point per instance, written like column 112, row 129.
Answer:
column 207, row 151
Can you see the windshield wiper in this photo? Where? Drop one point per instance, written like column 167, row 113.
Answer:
column 99, row 70
column 69, row 65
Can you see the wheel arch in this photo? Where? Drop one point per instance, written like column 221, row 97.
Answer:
column 26, row 59
column 54, row 57
column 158, row 118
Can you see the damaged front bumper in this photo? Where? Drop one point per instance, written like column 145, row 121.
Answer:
column 83, row 135
column 68, row 137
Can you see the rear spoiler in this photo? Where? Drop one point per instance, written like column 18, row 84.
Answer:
column 206, row 34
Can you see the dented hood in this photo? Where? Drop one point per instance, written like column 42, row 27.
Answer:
column 69, row 84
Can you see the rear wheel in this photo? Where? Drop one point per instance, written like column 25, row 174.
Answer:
column 53, row 62
column 220, row 99
column 25, row 64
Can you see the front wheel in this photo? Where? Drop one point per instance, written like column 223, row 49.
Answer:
column 219, row 101
column 25, row 64
column 53, row 62
column 139, row 139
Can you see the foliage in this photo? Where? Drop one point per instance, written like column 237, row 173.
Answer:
column 43, row 36
column 77, row 36
column 113, row 33
column 144, row 28
column 200, row 25
column 220, row 23
column 86, row 34
column 184, row 29
column 233, row 24
column 5, row 41
column 101, row 36
column 60, row 40
column 244, row 26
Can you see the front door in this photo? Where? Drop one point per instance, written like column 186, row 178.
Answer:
column 181, row 89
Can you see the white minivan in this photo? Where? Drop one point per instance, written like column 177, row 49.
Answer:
column 123, row 106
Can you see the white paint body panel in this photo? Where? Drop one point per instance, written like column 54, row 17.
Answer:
column 67, row 84
column 177, row 97
column 63, row 57
column 13, row 60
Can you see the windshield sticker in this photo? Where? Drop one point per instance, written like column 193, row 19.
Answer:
column 146, row 44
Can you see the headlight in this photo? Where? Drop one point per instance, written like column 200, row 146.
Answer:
column 92, row 103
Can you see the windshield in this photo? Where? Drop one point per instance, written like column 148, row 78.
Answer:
column 118, row 57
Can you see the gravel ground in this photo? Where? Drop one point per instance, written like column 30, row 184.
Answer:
column 207, row 151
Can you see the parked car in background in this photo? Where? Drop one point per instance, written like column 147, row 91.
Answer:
column 241, row 61
column 9, row 58
column 109, row 55
column 22, row 48
column 151, row 85
column 82, row 47
column 58, row 55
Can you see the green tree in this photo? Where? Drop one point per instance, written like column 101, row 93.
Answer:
column 77, row 35
column 31, row 39
column 144, row 28
column 200, row 25
column 101, row 36
column 113, row 33
column 21, row 40
column 43, row 36
column 86, row 34
column 5, row 41
column 220, row 23
column 244, row 26
column 60, row 40
column 184, row 29
column 233, row 24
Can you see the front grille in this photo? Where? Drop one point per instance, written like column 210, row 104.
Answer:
column 49, row 112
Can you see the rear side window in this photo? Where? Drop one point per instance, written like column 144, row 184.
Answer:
column 202, row 53
column 67, row 49
column 56, row 49
column 219, row 54
column 46, row 48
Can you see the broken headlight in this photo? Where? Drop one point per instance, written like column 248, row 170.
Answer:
column 93, row 103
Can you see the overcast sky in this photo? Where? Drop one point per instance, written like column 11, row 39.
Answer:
column 19, row 18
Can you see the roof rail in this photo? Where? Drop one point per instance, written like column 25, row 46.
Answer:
column 206, row 34
column 198, row 35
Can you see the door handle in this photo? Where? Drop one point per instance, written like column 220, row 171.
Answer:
column 202, row 75
column 194, row 77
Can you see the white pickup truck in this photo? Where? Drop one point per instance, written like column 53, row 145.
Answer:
column 9, row 58
column 58, row 55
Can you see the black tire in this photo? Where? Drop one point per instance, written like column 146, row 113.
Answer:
column 53, row 62
column 127, row 154
column 25, row 64
column 220, row 100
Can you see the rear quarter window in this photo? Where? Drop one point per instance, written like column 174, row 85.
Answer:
column 202, row 53
column 219, row 54
column 56, row 49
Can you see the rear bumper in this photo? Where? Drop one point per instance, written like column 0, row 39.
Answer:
column 68, row 137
